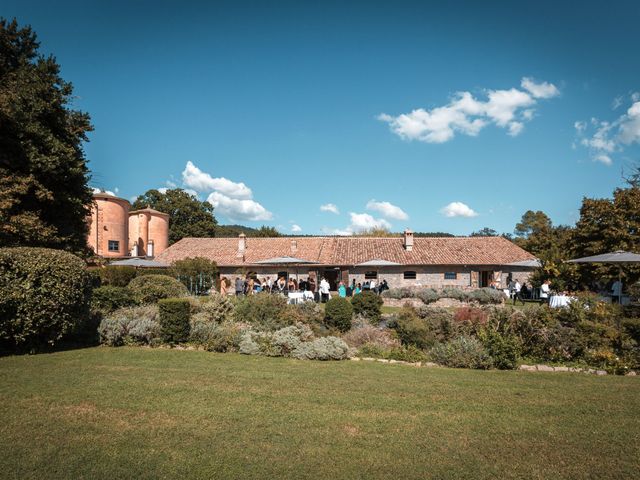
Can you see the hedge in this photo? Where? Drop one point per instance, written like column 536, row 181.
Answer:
column 174, row 319
column 338, row 313
column 116, row 276
column 151, row 288
column 368, row 304
column 44, row 295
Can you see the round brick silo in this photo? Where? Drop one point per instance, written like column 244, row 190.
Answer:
column 109, row 225
column 149, row 232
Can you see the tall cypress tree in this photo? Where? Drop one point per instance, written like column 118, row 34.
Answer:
column 44, row 196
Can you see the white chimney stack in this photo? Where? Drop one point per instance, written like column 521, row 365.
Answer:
column 408, row 240
column 242, row 245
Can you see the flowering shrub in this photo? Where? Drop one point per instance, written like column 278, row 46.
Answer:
column 484, row 296
column 216, row 337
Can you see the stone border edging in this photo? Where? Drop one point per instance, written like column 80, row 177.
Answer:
column 522, row 368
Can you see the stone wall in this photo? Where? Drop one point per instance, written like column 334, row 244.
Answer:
column 426, row 276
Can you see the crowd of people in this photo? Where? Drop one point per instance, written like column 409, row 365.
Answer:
column 252, row 285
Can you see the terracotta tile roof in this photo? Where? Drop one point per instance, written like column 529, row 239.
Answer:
column 349, row 251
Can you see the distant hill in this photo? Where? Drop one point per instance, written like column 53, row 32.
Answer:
column 225, row 231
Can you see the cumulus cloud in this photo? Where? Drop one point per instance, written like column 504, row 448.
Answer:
column 201, row 181
column 604, row 138
column 330, row 207
column 359, row 223
column 467, row 115
column 233, row 200
column 387, row 210
column 101, row 190
column 238, row 209
column 539, row 90
column 296, row 228
column 458, row 209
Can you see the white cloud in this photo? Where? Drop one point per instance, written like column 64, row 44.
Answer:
column 364, row 221
column 108, row 192
column 458, row 209
column 515, row 128
column 359, row 223
column 635, row 96
column 604, row 138
column 617, row 102
column 238, row 209
column 603, row 158
column 387, row 210
column 467, row 115
column 201, row 181
column 163, row 190
column 539, row 90
column 330, row 207
column 296, row 228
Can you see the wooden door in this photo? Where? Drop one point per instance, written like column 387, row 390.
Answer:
column 474, row 278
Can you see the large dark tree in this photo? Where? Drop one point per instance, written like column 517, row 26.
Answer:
column 188, row 216
column 44, row 196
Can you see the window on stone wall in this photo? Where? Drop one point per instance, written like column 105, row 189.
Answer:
column 409, row 275
column 114, row 246
column 450, row 275
column 370, row 275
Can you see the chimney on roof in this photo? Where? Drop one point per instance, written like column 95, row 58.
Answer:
column 408, row 240
column 242, row 245
column 294, row 247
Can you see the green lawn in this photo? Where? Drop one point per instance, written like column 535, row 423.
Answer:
column 157, row 413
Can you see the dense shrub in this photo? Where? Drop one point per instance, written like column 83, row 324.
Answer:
column 106, row 299
column 325, row 348
column 44, row 295
column 130, row 326
column 427, row 295
column 214, row 308
column 338, row 313
column 503, row 349
column 280, row 343
column 455, row 293
column 486, row 296
column 405, row 353
column 216, row 337
column 440, row 322
column 310, row 313
column 116, row 276
column 174, row 319
column 370, row 335
column 263, row 310
column 151, row 288
column 411, row 329
column 463, row 352
column 470, row 319
column 369, row 305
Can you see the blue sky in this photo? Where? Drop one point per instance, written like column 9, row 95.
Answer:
column 442, row 117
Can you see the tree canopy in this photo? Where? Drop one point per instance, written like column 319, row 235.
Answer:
column 44, row 196
column 188, row 216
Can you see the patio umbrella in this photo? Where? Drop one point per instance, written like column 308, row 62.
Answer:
column 619, row 257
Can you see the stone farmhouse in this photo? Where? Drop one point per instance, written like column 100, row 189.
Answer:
column 463, row 262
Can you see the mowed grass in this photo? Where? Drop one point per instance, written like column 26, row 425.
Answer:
column 158, row 413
